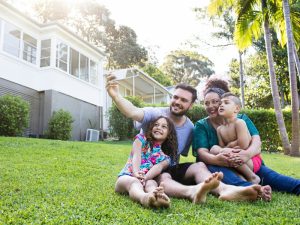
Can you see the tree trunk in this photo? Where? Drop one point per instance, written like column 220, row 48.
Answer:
column 296, row 57
column 293, row 81
column 242, row 79
column 274, row 88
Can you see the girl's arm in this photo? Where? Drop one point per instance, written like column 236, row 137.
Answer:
column 136, row 157
column 156, row 169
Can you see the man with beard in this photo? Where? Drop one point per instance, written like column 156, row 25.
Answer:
column 180, row 178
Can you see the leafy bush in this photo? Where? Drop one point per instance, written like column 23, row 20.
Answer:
column 263, row 119
column 14, row 115
column 60, row 125
column 121, row 126
column 265, row 122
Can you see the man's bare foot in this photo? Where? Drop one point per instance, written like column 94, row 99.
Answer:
column 162, row 200
column 234, row 193
column 265, row 193
column 202, row 189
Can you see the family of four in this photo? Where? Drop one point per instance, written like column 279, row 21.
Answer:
column 226, row 145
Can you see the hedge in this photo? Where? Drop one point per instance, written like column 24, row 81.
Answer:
column 264, row 120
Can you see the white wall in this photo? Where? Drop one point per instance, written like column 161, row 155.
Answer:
column 31, row 76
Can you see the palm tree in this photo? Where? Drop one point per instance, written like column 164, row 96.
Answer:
column 227, row 32
column 251, row 15
column 293, row 80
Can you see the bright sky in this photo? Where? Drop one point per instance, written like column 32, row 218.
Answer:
column 164, row 25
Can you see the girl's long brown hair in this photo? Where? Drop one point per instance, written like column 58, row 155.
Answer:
column 170, row 145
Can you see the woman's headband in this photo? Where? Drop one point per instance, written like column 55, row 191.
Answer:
column 219, row 91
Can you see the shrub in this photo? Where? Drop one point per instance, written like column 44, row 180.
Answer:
column 265, row 122
column 263, row 119
column 14, row 115
column 121, row 126
column 60, row 125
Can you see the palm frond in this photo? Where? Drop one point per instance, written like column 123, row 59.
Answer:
column 217, row 7
column 247, row 27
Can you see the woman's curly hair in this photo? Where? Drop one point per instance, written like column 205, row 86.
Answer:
column 170, row 145
column 216, row 85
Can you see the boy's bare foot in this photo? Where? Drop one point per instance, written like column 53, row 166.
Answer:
column 202, row 189
column 254, row 179
column 265, row 193
column 233, row 193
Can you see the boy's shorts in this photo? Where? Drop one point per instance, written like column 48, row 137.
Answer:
column 256, row 160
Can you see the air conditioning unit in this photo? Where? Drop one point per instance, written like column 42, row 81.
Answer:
column 92, row 135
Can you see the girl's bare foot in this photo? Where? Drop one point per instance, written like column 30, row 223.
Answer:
column 149, row 200
column 202, row 189
column 161, row 198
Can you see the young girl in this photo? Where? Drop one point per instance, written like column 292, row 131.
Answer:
column 150, row 155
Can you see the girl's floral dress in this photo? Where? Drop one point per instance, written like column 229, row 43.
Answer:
column 150, row 157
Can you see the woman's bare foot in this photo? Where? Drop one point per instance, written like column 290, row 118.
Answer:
column 201, row 190
column 234, row 193
column 265, row 193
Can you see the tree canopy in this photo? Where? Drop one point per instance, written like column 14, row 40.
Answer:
column 187, row 67
column 92, row 22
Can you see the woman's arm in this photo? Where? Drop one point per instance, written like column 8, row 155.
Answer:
column 156, row 170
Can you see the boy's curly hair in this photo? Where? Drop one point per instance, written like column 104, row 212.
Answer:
column 212, row 85
column 170, row 145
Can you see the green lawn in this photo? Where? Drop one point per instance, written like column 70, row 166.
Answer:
column 57, row 182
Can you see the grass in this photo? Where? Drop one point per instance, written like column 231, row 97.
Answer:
column 57, row 182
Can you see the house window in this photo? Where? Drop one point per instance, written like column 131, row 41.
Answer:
column 84, row 68
column 93, row 73
column 74, row 62
column 29, row 48
column 62, row 56
column 45, row 52
column 12, row 40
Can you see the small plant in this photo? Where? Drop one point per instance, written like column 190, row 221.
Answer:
column 14, row 115
column 60, row 125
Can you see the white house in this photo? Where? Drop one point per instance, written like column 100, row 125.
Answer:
column 53, row 69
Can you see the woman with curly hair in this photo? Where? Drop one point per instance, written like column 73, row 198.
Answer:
column 205, row 138
column 151, row 154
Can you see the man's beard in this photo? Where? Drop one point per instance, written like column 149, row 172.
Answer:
column 179, row 114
